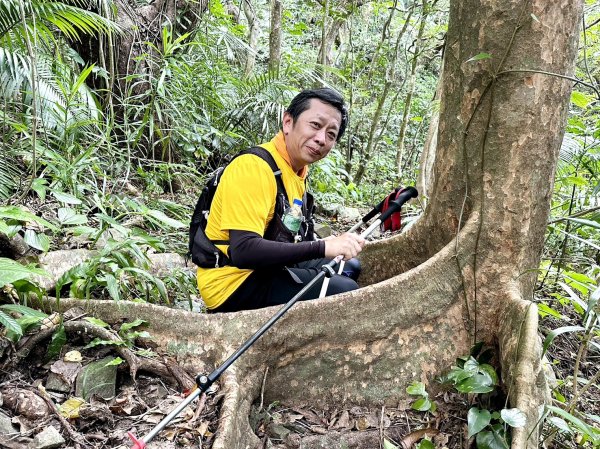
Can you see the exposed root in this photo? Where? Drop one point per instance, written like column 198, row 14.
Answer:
column 77, row 439
column 166, row 370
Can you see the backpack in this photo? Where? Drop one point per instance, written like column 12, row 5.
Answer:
column 204, row 252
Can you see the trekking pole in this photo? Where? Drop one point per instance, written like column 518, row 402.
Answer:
column 204, row 381
column 394, row 206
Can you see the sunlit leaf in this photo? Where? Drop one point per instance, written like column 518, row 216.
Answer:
column 580, row 99
column 160, row 216
column 96, row 321
column 479, row 57
column 11, row 271
column 37, row 240
column 65, row 197
column 560, row 424
column 514, row 417
column 556, row 332
column 68, row 216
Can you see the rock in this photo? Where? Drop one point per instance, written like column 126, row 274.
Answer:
column 348, row 214
column 56, row 383
column 56, row 263
column 166, row 263
column 26, row 403
column 49, row 438
column 6, row 427
column 97, row 378
column 322, row 230
column 278, row 431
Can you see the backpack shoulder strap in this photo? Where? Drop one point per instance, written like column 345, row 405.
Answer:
column 268, row 158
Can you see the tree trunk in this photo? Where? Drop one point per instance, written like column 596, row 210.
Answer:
column 252, row 36
column 275, row 35
column 411, row 87
column 464, row 272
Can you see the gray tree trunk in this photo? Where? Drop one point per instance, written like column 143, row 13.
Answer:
column 275, row 35
column 464, row 272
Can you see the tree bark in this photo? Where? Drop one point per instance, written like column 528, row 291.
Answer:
column 275, row 35
column 464, row 272
column 411, row 86
column 250, row 14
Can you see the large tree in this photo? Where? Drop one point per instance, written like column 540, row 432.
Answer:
column 465, row 272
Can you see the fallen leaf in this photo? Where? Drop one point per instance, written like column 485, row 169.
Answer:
column 73, row 356
column 70, row 408
column 67, row 370
column 344, row 421
column 417, row 435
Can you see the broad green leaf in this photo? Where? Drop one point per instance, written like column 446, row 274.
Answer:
column 416, row 388
column 490, row 371
column 37, row 240
column 422, row 405
column 68, row 216
column 387, row 444
column 39, row 186
column 23, row 310
column 9, row 230
column 96, row 321
column 479, row 383
column 65, row 197
column 556, row 332
column 113, row 287
column 99, row 342
column 576, row 180
column 479, row 57
column 11, row 271
column 545, row 310
column 579, row 424
column 560, row 424
column 16, row 213
column 425, row 444
column 491, row 440
column 514, row 417
column 477, row 420
column 160, row 216
column 59, row 339
column 580, row 99
column 115, row 361
column 11, row 325
column 127, row 326
column 82, row 230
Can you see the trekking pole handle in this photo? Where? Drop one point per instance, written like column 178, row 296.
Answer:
column 394, row 206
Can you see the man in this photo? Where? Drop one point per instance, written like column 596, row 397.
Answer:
column 265, row 272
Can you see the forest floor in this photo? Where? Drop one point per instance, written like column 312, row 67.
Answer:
column 28, row 409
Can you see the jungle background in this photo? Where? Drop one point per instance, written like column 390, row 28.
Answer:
column 116, row 113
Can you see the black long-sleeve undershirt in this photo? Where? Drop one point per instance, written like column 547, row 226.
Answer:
column 249, row 250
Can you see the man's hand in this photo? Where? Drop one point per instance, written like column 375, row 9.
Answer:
column 347, row 245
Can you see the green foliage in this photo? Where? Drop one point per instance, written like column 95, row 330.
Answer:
column 127, row 334
column 17, row 319
column 473, row 374
column 423, row 403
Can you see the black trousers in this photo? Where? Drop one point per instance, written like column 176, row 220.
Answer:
column 269, row 287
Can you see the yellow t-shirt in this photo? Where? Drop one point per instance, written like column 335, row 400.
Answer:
column 249, row 190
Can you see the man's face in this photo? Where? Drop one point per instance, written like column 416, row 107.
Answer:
column 313, row 134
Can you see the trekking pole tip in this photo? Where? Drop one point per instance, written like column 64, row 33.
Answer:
column 139, row 444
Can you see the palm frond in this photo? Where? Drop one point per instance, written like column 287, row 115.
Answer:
column 70, row 20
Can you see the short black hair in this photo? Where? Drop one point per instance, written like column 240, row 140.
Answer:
column 301, row 103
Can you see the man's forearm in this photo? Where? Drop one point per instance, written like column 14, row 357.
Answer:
column 249, row 250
